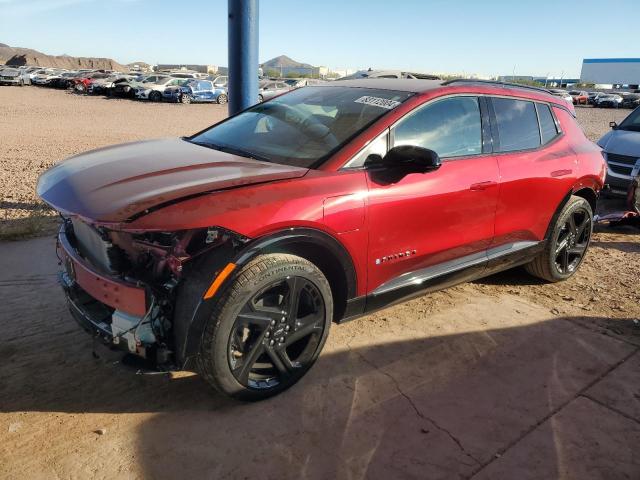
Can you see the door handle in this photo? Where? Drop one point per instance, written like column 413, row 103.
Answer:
column 482, row 185
column 561, row 173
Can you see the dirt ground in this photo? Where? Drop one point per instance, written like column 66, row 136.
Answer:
column 506, row 377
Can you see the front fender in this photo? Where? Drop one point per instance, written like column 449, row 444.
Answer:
column 193, row 311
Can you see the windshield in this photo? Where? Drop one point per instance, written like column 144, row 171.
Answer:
column 632, row 122
column 302, row 128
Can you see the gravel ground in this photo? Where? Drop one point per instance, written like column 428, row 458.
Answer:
column 40, row 126
column 595, row 121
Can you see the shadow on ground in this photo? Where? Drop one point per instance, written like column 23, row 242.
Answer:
column 435, row 407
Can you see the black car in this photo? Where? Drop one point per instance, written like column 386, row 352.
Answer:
column 632, row 100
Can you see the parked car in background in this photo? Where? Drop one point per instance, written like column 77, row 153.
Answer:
column 195, row 91
column 232, row 251
column 65, row 80
column 579, row 97
column 302, row 82
column 632, row 100
column 183, row 74
column 562, row 94
column 83, row 83
column 608, row 100
column 268, row 89
column 220, row 81
column 46, row 76
column 154, row 91
column 14, row 76
column 621, row 147
column 125, row 87
column 591, row 97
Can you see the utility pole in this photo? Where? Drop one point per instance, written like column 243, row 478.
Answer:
column 243, row 54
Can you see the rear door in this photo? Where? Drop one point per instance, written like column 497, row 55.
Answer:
column 426, row 223
column 537, row 168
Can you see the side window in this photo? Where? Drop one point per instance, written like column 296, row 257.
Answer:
column 517, row 124
column 378, row 146
column 548, row 128
column 450, row 127
column 205, row 86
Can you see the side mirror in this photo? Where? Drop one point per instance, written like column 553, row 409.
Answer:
column 613, row 125
column 407, row 158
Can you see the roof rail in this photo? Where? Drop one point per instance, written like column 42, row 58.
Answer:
column 495, row 82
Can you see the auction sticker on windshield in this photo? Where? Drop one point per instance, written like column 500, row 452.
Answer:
column 378, row 102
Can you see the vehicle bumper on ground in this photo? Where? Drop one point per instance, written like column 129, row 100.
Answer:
column 9, row 80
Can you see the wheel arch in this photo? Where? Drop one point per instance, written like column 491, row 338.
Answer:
column 588, row 193
column 321, row 249
column 192, row 311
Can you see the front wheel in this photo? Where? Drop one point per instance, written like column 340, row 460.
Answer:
column 155, row 96
column 222, row 99
column 268, row 327
column 184, row 98
column 568, row 243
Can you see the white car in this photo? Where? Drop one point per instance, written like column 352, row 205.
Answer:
column 562, row 94
column 43, row 77
column 153, row 91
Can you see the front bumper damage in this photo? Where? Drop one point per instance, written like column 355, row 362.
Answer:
column 136, row 306
column 117, row 312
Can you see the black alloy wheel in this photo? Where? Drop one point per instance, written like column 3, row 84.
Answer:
column 267, row 326
column 277, row 333
column 572, row 241
column 568, row 242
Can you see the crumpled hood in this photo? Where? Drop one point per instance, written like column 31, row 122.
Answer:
column 114, row 183
column 621, row 142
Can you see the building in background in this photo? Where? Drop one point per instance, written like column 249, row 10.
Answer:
column 213, row 69
column 611, row 72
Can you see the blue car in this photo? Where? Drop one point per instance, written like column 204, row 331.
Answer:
column 195, row 90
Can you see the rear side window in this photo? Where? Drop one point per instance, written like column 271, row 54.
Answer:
column 517, row 124
column 450, row 127
column 548, row 127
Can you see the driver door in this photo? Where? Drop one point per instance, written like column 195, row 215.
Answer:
column 428, row 224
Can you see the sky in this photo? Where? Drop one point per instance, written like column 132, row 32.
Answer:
column 493, row 37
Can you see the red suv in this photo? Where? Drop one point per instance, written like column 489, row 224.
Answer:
column 230, row 252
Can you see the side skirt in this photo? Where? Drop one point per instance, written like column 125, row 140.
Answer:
column 441, row 276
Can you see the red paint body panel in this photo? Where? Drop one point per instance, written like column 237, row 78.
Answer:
column 437, row 214
column 464, row 207
column 114, row 183
column 116, row 293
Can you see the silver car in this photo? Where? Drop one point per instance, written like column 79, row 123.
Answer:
column 271, row 88
column 622, row 151
column 14, row 76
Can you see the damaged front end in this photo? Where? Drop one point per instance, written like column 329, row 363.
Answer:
column 121, row 286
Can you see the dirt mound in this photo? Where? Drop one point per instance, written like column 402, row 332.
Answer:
column 26, row 56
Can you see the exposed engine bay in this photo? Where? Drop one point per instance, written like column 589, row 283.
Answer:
column 116, row 266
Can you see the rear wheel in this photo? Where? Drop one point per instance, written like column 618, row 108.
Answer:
column 155, row 96
column 568, row 243
column 268, row 327
column 184, row 98
column 222, row 99
column 260, row 98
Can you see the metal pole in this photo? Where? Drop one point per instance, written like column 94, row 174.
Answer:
column 243, row 54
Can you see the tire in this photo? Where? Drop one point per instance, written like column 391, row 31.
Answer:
column 280, row 344
column 155, row 96
column 21, row 84
column 186, row 99
column 260, row 98
column 568, row 243
column 222, row 99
